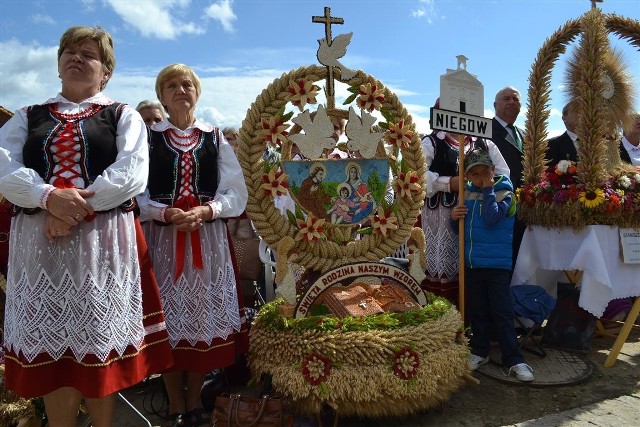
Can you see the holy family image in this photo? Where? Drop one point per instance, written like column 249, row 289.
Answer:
column 340, row 191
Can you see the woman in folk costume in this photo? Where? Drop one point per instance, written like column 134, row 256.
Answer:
column 441, row 152
column 76, row 325
column 195, row 180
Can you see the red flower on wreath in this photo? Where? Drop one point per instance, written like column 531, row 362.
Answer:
column 406, row 363
column 311, row 229
column 399, row 135
column 275, row 183
column 316, row 368
column 302, row 92
column 406, row 184
column 274, row 130
column 370, row 97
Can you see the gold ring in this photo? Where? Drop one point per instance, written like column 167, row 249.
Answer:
column 78, row 217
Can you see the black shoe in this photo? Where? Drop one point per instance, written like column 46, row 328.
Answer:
column 176, row 420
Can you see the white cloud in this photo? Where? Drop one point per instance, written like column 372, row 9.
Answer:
column 425, row 10
column 28, row 73
column 222, row 12
column 42, row 19
column 155, row 18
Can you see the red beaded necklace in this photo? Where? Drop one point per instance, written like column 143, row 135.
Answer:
column 72, row 117
column 187, row 140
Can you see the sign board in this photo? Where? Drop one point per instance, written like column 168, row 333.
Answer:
column 630, row 241
column 346, row 274
column 456, row 122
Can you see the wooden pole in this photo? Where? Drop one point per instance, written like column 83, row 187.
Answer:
column 461, row 183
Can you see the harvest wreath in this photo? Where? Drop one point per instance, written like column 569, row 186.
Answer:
column 600, row 189
column 319, row 244
column 390, row 364
column 320, row 343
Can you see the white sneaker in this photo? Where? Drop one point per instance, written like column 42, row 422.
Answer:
column 522, row 371
column 476, row 361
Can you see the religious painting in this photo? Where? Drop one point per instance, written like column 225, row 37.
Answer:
column 344, row 191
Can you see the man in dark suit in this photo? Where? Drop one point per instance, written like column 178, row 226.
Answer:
column 508, row 138
column 564, row 147
column 630, row 143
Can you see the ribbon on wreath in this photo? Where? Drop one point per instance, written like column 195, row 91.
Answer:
column 186, row 203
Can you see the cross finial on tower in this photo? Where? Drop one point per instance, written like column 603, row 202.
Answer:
column 593, row 3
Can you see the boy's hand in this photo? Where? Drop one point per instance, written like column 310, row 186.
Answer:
column 458, row 212
column 487, row 178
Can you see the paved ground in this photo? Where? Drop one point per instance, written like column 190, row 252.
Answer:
column 621, row 412
column 608, row 397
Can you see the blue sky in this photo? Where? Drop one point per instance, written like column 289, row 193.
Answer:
column 238, row 47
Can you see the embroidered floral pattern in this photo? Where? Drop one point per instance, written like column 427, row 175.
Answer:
column 407, row 183
column 275, row 183
column 316, row 368
column 370, row 97
column 384, row 221
column 302, row 92
column 406, row 363
column 311, row 229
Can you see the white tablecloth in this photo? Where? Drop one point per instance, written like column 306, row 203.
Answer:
column 595, row 250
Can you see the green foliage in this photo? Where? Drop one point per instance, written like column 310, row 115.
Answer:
column 291, row 217
column 350, row 99
column 269, row 315
column 287, row 117
column 388, row 117
column 365, row 230
column 294, row 189
column 377, row 187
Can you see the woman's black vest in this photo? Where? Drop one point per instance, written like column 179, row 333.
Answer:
column 97, row 139
column 164, row 168
column 97, row 134
column 445, row 163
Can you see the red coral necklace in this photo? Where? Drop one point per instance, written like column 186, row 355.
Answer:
column 72, row 117
column 184, row 140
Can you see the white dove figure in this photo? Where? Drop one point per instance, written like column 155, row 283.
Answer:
column 360, row 136
column 328, row 55
column 318, row 134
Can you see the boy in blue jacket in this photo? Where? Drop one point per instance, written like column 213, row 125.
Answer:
column 489, row 213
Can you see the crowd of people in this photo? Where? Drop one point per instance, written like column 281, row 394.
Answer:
column 120, row 263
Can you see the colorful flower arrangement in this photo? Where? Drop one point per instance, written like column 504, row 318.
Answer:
column 560, row 199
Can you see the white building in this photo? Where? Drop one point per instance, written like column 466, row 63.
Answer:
column 461, row 91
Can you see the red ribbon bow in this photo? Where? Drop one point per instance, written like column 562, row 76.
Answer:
column 186, row 203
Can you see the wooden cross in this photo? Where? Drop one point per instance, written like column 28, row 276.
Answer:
column 328, row 20
column 593, row 3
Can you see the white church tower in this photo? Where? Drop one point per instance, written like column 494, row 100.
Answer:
column 461, row 91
